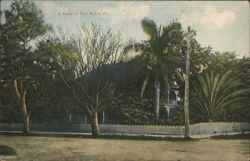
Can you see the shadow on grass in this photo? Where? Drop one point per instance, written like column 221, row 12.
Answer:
column 112, row 137
column 6, row 150
column 233, row 137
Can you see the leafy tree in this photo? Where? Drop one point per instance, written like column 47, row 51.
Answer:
column 221, row 62
column 24, row 23
column 52, row 57
column 240, row 69
column 200, row 60
column 160, row 54
column 214, row 92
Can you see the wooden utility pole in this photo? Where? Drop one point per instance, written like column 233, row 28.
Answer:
column 190, row 34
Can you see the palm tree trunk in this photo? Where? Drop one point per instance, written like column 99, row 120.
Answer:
column 145, row 82
column 95, row 124
column 157, row 96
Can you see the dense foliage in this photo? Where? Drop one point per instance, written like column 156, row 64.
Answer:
column 214, row 93
column 23, row 23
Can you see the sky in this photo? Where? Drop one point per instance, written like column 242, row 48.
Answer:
column 222, row 25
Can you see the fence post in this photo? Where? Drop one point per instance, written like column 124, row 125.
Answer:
column 103, row 117
column 85, row 119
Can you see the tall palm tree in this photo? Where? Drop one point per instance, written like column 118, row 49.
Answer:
column 214, row 92
column 160, row 54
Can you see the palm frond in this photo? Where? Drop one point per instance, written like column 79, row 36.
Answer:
column 150, row 28
column 215, row 92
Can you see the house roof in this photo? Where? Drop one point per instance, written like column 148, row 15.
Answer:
column 108, row 72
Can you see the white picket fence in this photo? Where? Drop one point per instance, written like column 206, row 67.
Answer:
column 195, row 129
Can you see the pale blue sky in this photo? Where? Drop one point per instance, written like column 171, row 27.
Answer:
column 223, row 25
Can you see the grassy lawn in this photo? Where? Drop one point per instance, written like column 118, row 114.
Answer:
column 40, row 148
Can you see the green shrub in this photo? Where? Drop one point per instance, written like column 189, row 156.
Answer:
column 6, row 150
column 131, row 109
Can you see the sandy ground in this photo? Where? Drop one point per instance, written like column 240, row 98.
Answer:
column 37, row 148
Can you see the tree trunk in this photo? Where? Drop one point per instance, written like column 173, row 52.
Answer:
column 186, row 92
column 94, row 124
column 21, row 98
column 186, row 106
column 145, row 82
column 26, row 121
column 157, row 96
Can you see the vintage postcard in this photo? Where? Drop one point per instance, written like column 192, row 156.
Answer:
column 124, row 80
